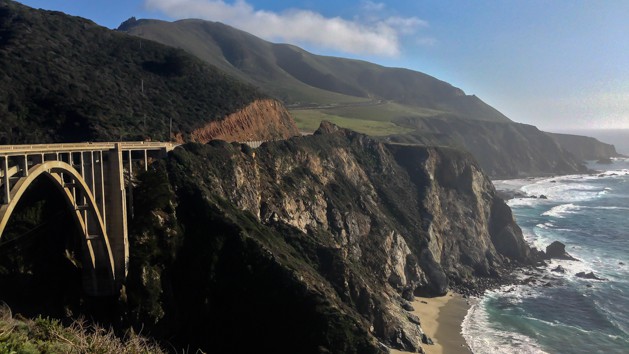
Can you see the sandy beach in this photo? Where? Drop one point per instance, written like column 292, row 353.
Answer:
column 441, row 319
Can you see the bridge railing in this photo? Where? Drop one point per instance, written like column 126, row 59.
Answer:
column 129, row 145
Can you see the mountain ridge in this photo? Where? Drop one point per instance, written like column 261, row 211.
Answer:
column 407, row 105
column 299, row 71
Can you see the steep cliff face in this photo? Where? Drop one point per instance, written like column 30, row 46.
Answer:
column 261, row 120
column 583, row 147
column 339, row 228
column 503, row 150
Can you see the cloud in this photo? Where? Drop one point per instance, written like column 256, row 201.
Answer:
column 406, row 25
column 376, row 36
column 373, row 6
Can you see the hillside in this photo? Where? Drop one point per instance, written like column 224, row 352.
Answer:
column 410, row 106
column 585, row 148
column 504, row 150
column 64, row 78
column 303, row 79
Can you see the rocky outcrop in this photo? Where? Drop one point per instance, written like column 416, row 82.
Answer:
column 338, row 228
column 503, row 150
column 261, row 120
column 583, row 147
column 557, row 250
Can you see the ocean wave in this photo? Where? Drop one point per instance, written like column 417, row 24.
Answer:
column 547, row 226
column 564, row 192
column 611, row 316
column 560, row 211
column 611, row 173
column 606, row 207
column 569, row 265
column 523, row 202
column 483, row 338
column 571, row 188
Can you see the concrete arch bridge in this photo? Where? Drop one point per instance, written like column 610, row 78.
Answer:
column 91, row 177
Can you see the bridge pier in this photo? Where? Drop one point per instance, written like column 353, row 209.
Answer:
column 5, row 180
column 115, row 200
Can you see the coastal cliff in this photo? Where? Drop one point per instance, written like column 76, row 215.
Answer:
column 315, row 242
column 503, row 150
column 583, row 147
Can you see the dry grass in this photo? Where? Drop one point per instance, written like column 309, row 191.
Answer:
column 43, row 335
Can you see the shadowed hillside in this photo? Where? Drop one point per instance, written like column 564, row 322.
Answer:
column 64, row 78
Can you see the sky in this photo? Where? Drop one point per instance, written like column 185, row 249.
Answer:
column 559, row 65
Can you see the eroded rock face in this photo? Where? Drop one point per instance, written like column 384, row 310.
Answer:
column 367, row 224
column 263, row 119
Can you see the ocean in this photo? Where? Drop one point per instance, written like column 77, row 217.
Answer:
column 562, row 313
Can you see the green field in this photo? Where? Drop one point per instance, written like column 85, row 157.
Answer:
column 384, row 112
column 308, row 120
column 371, row 118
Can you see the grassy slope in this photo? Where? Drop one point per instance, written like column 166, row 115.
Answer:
column 308, row 121
column 302, row 79
column 237, row 53
column 64, row 78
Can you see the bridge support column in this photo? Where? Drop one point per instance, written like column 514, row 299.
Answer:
column 24, row 166
column 116, row 223
column 7, row 186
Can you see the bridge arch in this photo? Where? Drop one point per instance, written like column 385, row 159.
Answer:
column 99, row 276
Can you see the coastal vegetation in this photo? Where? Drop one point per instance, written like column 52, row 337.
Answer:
column 64, row 78
column 45, row 335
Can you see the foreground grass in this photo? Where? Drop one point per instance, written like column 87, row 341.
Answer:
column 43, row 335
column 308, row 120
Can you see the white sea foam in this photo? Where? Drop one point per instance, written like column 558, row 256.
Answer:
column 571, row 267
column 563, row 191
column 514, row 184
column 611, row 173
column 523, row 202
column 483, row 338
column 560, row 211
column 605, row 207
column 568, row 197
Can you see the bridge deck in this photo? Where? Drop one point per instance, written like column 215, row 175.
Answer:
column 9, row 150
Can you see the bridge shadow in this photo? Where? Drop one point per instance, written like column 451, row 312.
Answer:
column 40, row 258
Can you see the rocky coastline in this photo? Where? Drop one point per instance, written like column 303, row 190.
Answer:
column 337, row 219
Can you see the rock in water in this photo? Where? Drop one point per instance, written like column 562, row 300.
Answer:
column 589, row 275
column 557, row 250
column 558, row 269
